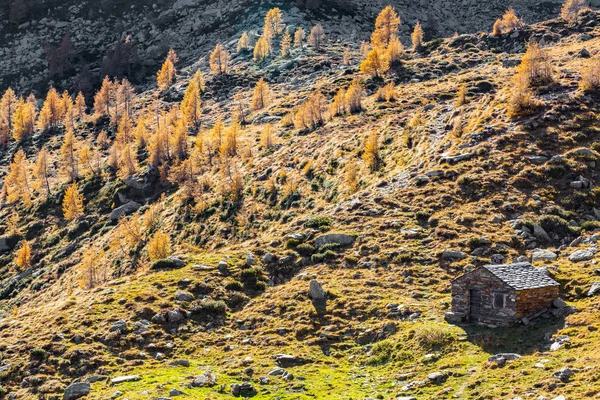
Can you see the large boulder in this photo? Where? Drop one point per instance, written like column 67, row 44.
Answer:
column 125, row 209
column 594, row 289
column 450, row 255
column 76, row 390
column 335, row 238
column 583, row 255
column 543, row 255
column 318, row 296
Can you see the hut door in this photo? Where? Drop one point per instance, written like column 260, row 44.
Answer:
column 474, row 304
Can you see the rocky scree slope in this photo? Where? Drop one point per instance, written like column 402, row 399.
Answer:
column 98, row 32
column 457, row 185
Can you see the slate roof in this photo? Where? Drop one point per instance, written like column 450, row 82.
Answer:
column 521, row 276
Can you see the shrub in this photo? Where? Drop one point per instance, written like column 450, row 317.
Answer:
column 381, row 352
column 536, row 65
column 558, row 225
column 208, row 308
column 318, row 222
column 590, row 76
column 305, row 249
column 433, row 336
column 521, row 101
column 38, row 354
column 590, row 226
column 233, row 285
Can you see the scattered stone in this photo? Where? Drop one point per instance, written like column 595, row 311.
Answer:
column 96, row 378
column 250, row 260
column 120, row 326
column 335, row 238
column 184, row 296
column 205, row 379
column 437, row 377
column 222, row 267
column 245, row 389
column 502, row 358
column 541, row 234
column 168, row 263
column 594, row 289
column 180, row 363
column 126, row 378
column 175, row 392
column 564, row 374
column 317, row 296
column 76, row 390
column 286, row 360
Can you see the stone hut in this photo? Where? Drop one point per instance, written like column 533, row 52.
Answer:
column 502, row 295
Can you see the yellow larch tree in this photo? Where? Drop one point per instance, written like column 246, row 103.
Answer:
column 80, row 107
column 41, row 172
column 244, row 43
column 8, row 105
column 50, row 114
column 23, row 257
column 17, row 181
column 23, row 120
column 103, row 98
column 219, row 60
column 261, row 95
column 68, row 153
column 371, row 150
column 262, row 49
column 376, row 64
column 274, row 21
column 191, row 105
column 266, row 137
column 166, row 75
column 386, row 27
column 417, row 37
column 125, row 129
column 286, row 43
column 299, row 37
column 159, row 246
column 229, row 145
column 72, row 204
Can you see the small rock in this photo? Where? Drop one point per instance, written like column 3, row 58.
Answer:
column 583, row 255
column 594, row 289
column 76, row 390
column 184, row 296
column 564, row 374
column 543, row 255
column 205, row 379
column 450, row 255
column 126, row 378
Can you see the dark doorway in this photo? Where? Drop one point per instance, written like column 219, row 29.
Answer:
column 474, row 304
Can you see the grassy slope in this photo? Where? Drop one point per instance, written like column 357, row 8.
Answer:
column 458, row 210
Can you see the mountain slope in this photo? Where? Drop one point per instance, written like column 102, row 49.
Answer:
column 453, row 177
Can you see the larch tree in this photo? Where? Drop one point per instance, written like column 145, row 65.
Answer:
column 166, row 75
column 299, row 37
column 352, row 177
column 23, row 257
column 354, row 97
column 261, row 95
column 229, row 145
column 90, row 159
column 41, row 171
column 244, row 43
column 159, row 246
column 68, row 153
column 266, row 137
column 172, row 56
column 571, row 8
column 125, row 94
column 386, row 27
column 262, row 49
column 375, row 64
column 371, row 154
column 23, row 120
column 141, row 132
column 50, row 114
column 191, row 105
column 219, row 60
column 103, row 98
column 80, row 107
column 92, row 269
column 180, row 139
column 316, row 37
column 286, row 43
column 8, row 105
column 274, row 21
column 394, row 51
column 127, row 165
column 72, row 204
column 199, row 80
column 17, row 181
column 417, row 37
column 125, row 129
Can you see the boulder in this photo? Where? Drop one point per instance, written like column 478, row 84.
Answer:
column 594, row 289
column 245, row 389
column 502, row 358
column 543, row 255
column 318, row 296
column 168, row 263
column 541, row 234
column 564, row 374
column 76, row 390
column 437, row 377
column 583, row 255
column 125, row 209
column 184, row 296
column 286, row 360
column 450, row 255
column 335, row 238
